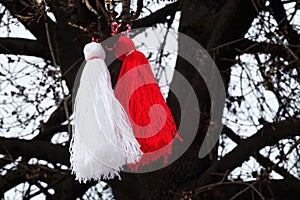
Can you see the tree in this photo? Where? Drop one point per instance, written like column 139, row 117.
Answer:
column 223, row 28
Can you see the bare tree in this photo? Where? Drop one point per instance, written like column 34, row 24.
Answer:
column 255, row 45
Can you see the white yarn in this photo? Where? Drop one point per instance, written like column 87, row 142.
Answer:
column 103, row 140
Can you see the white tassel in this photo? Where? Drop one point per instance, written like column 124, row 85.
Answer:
column 103, row 140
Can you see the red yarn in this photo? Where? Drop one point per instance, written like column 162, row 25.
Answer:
column 123, row 46
column 137, row 85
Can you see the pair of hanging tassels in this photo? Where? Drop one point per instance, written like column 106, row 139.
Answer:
column 129, row 126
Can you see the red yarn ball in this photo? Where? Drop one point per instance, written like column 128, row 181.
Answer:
column 123, row 46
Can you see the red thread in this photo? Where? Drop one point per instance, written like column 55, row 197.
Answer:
column 95, row 40
column 115, row 28
column 128, row 29
column 94, row 57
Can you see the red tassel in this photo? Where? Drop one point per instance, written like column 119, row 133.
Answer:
column 155, row 137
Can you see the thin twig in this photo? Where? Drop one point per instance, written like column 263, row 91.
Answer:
column 242, row 191
column 276, row 37
column 60, row 79
column 206, row 187
column 78, row 26
column 88, row 5
column 126, row 11
column 73, row 65
column 227, row 44
column 103, row 11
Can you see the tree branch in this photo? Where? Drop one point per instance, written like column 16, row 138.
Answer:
column 53, row 125
column 157, row 17
column 48, row 131
column 88, row 5
column 63, row 37
column 56, row 179
column 35, row 149
column 268, row 189
column 125, row 10
column 268, row 135
column 140, row 5
column 243, row 46
column 266, row 162
column 12, row 179
column 280, row 16
column 241, row 13
column 30, row 16
column 23, row 47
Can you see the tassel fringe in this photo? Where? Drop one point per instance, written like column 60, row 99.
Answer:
column 102, row 140
column 146, row 103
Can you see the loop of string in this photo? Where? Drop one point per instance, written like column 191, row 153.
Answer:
column 115, row 28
